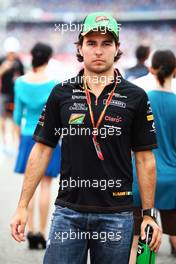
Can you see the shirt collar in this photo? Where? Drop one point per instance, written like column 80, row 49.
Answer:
column 79, row 79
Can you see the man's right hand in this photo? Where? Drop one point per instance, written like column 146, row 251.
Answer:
column 18, row 224
column 36, row 167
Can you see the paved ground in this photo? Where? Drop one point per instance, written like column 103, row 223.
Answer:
column 10, row 251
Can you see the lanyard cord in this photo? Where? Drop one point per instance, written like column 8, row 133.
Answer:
column 108, row 101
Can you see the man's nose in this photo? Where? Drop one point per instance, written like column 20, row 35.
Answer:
column 98, row 51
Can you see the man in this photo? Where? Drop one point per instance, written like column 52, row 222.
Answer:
column 10, row 68
column 140, row 69
column 102, row 117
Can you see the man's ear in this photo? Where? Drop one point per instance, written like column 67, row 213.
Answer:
column 80, row 51
column 117, row 48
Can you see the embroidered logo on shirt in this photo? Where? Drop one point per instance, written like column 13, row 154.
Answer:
column 149, row 111
column 78, row 106
column 116, row 119
column 153, row 128
column 122, row 193
column 78, row 91
column 116, row 103
column 42, row 117
column 76, row 119
column 150, row 117
column 78, row 97
column 117, row 95
column 117, row 130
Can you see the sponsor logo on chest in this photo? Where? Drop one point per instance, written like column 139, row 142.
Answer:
column 116, row 119
column 78, row 106
column 78, row 91
column 76, row 119
column 116, row 103
column 117, row 95
column 78, row 97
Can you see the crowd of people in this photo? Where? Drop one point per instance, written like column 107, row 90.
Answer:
column 63, row 41
column 17, row 89
column 62, row 6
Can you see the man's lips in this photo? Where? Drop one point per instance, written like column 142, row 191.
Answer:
column 98, row 60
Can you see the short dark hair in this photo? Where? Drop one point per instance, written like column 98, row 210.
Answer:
column 164, row 62
column 80, row 57
column 142, row 52
column 41, row 53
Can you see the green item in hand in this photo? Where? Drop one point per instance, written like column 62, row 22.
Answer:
column 144, row 253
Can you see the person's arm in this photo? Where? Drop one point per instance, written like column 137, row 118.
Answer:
column 5, row 66
column 146, row 173
column 38, row 161
column 19, row 68
column 36, row 166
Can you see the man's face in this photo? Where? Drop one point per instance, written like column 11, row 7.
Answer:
column 98, row 50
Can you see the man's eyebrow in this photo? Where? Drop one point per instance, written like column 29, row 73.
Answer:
column 91, row 40
column 108, row 40
column 104, row 41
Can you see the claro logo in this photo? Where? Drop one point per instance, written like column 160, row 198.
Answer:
column 117, row 119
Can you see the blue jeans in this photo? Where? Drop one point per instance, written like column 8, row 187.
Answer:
column 72, row 233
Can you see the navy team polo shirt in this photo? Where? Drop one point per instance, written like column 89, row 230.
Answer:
column 87, row 183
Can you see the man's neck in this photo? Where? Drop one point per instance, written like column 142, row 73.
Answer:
column 97, row 81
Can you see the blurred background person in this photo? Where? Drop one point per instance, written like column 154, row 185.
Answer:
column 10, row 68
column 31, row 93
column 163, row 103
column 140, row 69
column 149, row 81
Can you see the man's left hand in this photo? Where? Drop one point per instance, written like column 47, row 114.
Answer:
column 157, row 233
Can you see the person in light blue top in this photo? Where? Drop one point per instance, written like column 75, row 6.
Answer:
column 163, row 103
column 29, row 101
column 31, row 93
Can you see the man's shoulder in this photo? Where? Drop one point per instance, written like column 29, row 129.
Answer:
column 66, row 87
column 19, row 82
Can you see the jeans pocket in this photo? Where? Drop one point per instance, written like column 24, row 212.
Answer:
column 59, row 209
column 114, row 238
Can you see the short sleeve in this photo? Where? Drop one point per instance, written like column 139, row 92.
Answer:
column 19, row 106
column 143, row 128
column 47, row 130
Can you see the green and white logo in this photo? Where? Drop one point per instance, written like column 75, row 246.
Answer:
column 76, row 119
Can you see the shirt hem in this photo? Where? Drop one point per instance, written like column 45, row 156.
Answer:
column 95, row 209
column 44, row 141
